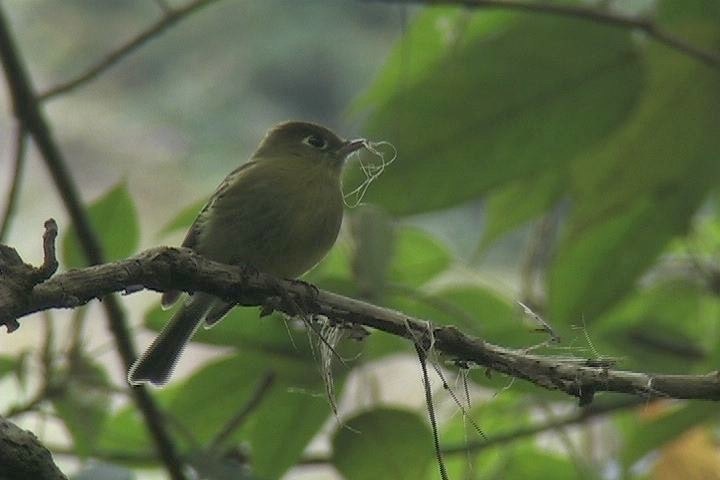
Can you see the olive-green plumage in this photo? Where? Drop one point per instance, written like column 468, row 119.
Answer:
column 280, row 212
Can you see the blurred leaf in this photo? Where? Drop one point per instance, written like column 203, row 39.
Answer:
column 84, row 402
column 184, row 219
column 373, row 237
column 213, row 394
column 383, row 443
column 693, row 456
column 433, row 35
column 476, row 121
column 532, row 463
column 645, row 436
column 671, row 11
column 210, row 467
column 497, row 414
column 8, row 364
column 647, row 325
column 335, row 266
column 283, row 426
column 113, row 217
column 103, row 471
column 418, row 258
column 641, row 190
column 517, row 202
column 125, row 431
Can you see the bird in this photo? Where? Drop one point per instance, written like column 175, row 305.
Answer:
column 280, row 212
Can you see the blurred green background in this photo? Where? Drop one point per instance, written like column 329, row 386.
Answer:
column 563, row 163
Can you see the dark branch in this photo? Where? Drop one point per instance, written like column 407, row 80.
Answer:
column 167, row 268
column 586, row 13
column 22, row 456
column 581, row 416
column 28, row 113
column 241, row 416
column 170, row 17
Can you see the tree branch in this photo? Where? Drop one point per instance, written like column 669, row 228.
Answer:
column 28, row 113
column 22, row 456
column 170, row 17
column 166, row 268
column 586, row 13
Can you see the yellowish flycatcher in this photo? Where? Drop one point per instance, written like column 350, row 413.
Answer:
column 280, row 212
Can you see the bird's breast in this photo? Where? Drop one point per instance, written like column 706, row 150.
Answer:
column 281, row 224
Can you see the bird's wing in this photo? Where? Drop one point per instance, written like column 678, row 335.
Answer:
column 193, row 234
column 191, row 239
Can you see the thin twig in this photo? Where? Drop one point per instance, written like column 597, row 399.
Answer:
column 586, row 13
column 582, row 416
column 18, row 167
column 28, row 113
column 170, row 17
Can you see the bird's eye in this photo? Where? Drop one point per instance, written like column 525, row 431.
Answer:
column 315, row 141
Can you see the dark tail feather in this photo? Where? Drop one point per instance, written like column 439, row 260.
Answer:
column 157, row 363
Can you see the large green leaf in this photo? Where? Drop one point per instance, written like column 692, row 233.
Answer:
column 383, row 443
column 418, row 257
column 517, row 202
column 641, row 189
column 114, row 219
column 433, row 35
column 647, row 325
column 502, row 107
column 282, row 428
column 216, row 392
column 8, row 364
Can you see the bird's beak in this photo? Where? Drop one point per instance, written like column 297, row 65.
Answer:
column 350, row 146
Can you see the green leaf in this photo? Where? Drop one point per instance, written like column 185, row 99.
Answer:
column 532, row 463
column 646, row 324
column 84, row 403
column 645, row 436
column 113, row 218
column 184, row 219
column 641, row 190
column 672, row 11
column 517, row 202
column 373, row 237
column 502, row 107
column 418, row 258
column 383, row 443
column 216, row 392
column 8, row 364
column 282, row 428
column 125, row 431
column 433, row 35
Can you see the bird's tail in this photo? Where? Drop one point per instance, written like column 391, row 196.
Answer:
column 157, row 363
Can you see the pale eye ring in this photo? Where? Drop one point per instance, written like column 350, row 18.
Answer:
column 316, row 141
